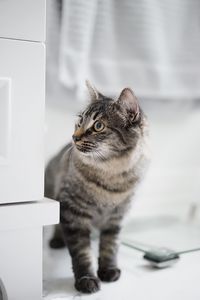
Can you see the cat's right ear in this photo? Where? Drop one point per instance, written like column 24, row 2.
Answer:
column 94, row 94
column 129, row 104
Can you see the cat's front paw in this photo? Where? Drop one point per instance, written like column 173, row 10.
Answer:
column 109, row 274
column 87, row 284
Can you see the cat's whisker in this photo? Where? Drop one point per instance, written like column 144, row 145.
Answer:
column 88, row 143
column 96, row 162
column 84, row 148
column 101, row 156
column 68, row 151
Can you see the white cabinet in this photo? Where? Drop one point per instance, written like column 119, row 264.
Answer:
column 22, row 94
column 23, row 210
column 21, row 247
column 22, row 19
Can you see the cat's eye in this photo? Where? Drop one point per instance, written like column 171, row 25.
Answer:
column 98, row 126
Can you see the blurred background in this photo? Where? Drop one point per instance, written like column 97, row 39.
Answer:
column 153, row 47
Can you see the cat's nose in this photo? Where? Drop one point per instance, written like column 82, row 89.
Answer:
column 76, row 138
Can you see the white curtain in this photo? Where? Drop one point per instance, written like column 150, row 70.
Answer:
column 152, row 46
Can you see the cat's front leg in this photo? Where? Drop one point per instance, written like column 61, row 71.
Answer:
column 108, row 248
column 78, row 242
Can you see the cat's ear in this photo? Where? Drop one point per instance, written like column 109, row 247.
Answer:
column 94, row 94
column 129, row 103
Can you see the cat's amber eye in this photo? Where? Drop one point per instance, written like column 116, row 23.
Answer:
column 99, row 126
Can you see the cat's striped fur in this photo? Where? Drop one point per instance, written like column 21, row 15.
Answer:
column 94, row 179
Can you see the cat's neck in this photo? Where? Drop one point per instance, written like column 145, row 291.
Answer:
column 115, row 165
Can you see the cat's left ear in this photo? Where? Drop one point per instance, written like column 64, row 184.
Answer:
column 129, row 103
column 94, row 94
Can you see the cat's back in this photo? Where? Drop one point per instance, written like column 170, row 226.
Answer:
column 51, row 171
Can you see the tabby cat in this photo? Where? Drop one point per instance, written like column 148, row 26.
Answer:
column 94, row 178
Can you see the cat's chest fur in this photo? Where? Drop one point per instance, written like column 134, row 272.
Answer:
column 107, row 184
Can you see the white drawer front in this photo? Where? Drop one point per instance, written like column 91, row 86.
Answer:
column 22, row 19
column 22, row 93
column 21, row 263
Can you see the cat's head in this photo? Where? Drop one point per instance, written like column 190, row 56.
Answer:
column 109, row 128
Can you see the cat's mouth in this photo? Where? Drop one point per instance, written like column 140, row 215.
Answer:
column 85, row 147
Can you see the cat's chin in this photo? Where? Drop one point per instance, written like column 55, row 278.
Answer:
column 91, row 155
column 87, row 154
column 84, row 152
